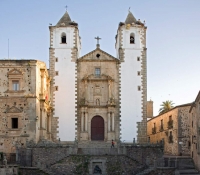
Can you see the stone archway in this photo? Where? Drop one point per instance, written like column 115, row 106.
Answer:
column 97, row 128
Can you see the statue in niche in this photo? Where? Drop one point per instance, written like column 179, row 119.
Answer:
column 97, row 102
column 97, row 170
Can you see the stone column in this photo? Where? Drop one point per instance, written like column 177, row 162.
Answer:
column 86, row 121
column 113, row 121
column 82, row 121
column 86, row 90
column 108, row 121
column 109, row 89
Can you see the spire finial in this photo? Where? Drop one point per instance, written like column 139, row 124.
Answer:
column 66, row 7
column 97, row 38
column 129, row 9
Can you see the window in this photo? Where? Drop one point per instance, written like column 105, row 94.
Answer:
column 56, row 88
column 97, row 72
column 139, row 88
column 138, row 58
column 132, row 38
column 63, row 38
column 138, row 73
column 15, row 85
column 170, row 118
column 14, row 123
column 56, row 73
column 56, row 59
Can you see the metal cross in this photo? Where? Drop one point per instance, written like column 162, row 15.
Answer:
column 129, row 9
column 66, row 7
column 97, row 38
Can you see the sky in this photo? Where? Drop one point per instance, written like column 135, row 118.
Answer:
column 173, row 37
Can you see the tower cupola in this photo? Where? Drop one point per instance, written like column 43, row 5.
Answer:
column 130, row 18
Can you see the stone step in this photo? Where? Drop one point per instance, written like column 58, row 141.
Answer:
column 188, row 171
column 94, row 144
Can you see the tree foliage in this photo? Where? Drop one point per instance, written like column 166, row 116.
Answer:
column 166, row 106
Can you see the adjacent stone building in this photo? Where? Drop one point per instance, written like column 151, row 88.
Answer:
column 172, row 127
column 195, row 131
column 25, row 110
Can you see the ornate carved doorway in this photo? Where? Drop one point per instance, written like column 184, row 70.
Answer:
column 97, row 128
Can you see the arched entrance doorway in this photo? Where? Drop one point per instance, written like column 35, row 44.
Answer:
column 97, row 128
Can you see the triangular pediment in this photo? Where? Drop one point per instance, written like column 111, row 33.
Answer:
column 15, row 71
column 13, row 109
column 96, row 55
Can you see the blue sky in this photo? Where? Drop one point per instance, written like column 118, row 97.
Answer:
column 173, row 37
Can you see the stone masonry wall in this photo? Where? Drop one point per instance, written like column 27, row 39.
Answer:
column 172, row 134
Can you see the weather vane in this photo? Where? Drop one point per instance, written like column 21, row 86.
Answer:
column 97, row 38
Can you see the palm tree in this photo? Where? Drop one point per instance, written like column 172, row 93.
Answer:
column 166, row 106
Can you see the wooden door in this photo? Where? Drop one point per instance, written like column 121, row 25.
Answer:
column 97, row 128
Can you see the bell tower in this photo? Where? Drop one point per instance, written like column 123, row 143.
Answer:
column 131, row 51
column 64, row 50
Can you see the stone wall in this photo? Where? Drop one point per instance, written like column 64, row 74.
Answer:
column 173, row 128
column 194, row 124
column 145, row 154
column 31, row 171
column 24, row 91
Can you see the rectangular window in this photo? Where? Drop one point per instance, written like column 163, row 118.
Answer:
column 14, row 123
column 56, row 59
column 139, row 88
column 138, row 58
column 97, row 72
column 15, row 85
column 138, row 73
column 56, row 88
column 56, row 73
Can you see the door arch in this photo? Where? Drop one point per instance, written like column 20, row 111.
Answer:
column 97, row 128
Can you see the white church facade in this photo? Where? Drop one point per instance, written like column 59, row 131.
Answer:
column 93, row 95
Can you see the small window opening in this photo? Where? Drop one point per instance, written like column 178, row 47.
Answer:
column 63, row 38
column 14, row 122
column 56, row 59
column 138, row 73
column 132, row 38
column 56, row 73
column 192, row 123
column 56, row 87
column 97, row 72
column 138, row 58
column 139, row 88
column 98, row 55
column 15, row 85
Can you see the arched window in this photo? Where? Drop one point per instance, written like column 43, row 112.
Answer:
column 63, row 38
column 132, row 38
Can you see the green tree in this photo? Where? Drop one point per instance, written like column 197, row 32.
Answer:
column 166, row 106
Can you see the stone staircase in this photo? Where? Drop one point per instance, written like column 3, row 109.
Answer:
column 186, row 167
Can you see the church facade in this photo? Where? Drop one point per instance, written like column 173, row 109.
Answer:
column 87, row 97
column 97, row 85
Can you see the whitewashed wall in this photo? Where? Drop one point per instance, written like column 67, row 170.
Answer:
column 65, row 96
column 131, row 98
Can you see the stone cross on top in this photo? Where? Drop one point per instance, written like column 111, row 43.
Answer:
column 97, row 38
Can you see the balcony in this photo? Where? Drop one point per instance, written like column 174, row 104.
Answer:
column 170, row 124
column 154, row 130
